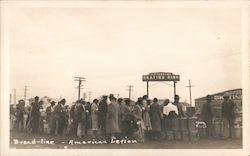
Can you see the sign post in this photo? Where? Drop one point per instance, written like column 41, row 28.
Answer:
column 161, row 76
column 147, row 88
column 174, row 88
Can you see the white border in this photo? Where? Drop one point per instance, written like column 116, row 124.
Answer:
column 6, row 5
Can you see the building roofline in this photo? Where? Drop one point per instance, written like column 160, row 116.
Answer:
column 200, row 98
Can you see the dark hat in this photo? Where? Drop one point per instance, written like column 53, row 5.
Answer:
column 155, row 99
column 127, row 100
column 120, row 100
column 176, row 97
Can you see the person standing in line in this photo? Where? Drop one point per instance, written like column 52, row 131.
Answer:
column 137, row 112
column 35, row 115
column 88, row 118
column 60, row 116
column 170, row 111
column 20, row 115
column 228, row 115
column 112, row 125
column 177, row 103
column 126, row 117
column 80, row 116
column 145, row 113
column 50, row 115
column 25, row 116
column 103, row 109
column 120, row 105
column 155, row 116
column 73, row 120
column 42, row 117
column 28, row 126
column 207, row 116
column 94, row 118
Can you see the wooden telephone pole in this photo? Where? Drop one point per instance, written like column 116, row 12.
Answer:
column 190, row 91
column 130, row 89
column 79, row 79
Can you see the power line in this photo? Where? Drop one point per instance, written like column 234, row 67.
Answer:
column 130, row 89
column 79, row 79
column 190, row 93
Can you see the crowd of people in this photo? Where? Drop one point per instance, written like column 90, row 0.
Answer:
column 108, row 118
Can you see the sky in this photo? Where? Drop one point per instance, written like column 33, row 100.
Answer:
column 114, row 47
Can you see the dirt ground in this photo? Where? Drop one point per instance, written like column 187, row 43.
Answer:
column 63, row 142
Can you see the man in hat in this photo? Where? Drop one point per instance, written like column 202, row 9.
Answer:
column 127, row 118
column 207, row 115
column 103, row 109
column 62, row 117
column 176, row 102
column 20, row 115
column 112, row 124
column 35, row 114
column 50, row 115
column 228, row 115
column 155, row 117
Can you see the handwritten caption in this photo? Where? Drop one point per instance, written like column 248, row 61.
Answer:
column 44, row 141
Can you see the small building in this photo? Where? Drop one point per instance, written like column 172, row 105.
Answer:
column 217, row 99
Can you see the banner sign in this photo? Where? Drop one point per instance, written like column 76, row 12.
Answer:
column 161, row 76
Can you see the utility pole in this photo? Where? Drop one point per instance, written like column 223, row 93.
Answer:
column 14, row 96
column 79, row 79
column 147, row 89
column 130, row 89
column 174, row 88
column 90, row 96
column 190, row 91
column 25, row 92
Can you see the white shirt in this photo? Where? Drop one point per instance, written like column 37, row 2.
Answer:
column 170, row 107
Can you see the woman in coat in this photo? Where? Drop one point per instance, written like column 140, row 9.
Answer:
column 155, row 116
column 112, row 123
column 138, row 116
column 145, row 115
column 94, row 118
column 80, row 116
column 127, row 118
